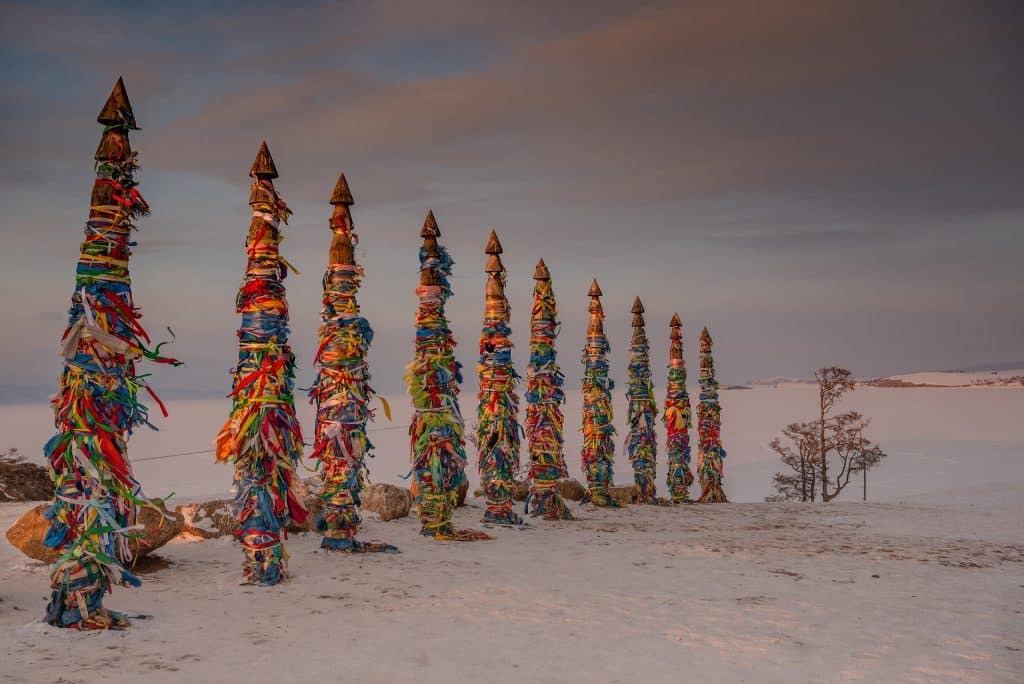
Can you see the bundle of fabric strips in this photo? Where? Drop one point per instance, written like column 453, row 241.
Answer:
column 342, row 391
column 96, row 496
column 497, row 432
column 437, row 446
column 598, row 450
column 544, row 398
column 709, row 423
column 262, row 436
column 677, row 418
column 641, row 444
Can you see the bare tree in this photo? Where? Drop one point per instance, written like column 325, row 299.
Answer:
column 853, row 452
column 833, row 383
column 811, row 449
column 800, row 454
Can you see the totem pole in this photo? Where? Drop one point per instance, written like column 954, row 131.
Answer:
column 262, row 436
column 709, row 423
column 342, row 391
column 497, row 432
column 641, row 443
column 96, row 496
column 544, row 399
column 598, row 450
column 437, row 446
column 677, row 418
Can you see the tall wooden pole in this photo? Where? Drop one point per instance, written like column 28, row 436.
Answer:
column 641, row 443
column 544, row 398
column 437, row 445
column 342, row 391
column 677, row 418
column 262, row 436
column 96, row 496
column 497, row 433
column 709, row 422
column 598, row 451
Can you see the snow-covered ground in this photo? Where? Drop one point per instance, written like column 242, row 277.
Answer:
column 925, row 583
column 937, row 439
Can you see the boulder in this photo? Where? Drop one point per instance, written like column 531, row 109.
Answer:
column 387, row 501
column 623, row 494
column 28, row 532
column 520, row 490
column 209, row 519
column 159, row 529
column 23, row 481
column 571, row 489
column 308, row 492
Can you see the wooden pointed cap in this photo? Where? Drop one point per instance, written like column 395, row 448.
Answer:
column 494, row 264
column 117, row 110
column 493, row 244
column 705, row 336
column 541, row 272
column 638, row 320
column 430, row 228
column 638, row 306
column 263, row 167
column 595, row 289
column 341, row 194
column 676, row 332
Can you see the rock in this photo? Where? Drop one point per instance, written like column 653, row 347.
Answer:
column 571, row 489
column 461, row 495
column 28, row 532
column 23, row 481
column 308, row 492
column 209, row 519
column 623, row 494
column 159, row 529
column 387, row 501
column 520, row 490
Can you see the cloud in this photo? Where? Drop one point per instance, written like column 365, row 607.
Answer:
column 754, row 161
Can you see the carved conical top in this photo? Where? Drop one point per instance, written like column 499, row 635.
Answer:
column 117, row 110
column 342, row 194
column 638, row 320
column 638, row 306
column 675, row 322
column 493, row 244
column 430, row 228
column 263, row 167
column 541, row 272
column 705, row 336
column 494, row 264
column 595, row 289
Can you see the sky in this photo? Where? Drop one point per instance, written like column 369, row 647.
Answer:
column 819, row 182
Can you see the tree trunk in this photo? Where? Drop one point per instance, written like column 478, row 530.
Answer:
column 822, row 450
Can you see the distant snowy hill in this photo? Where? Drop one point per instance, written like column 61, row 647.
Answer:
column 1012, row 377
